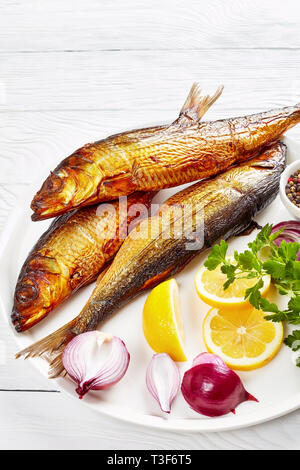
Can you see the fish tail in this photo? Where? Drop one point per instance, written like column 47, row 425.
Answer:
column 51, row 348
column 197, row 104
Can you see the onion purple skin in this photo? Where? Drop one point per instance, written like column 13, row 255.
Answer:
column 291, row 232
column 207, row 358
column 213, row 390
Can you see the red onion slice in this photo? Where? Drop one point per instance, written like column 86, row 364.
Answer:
column 290, row 233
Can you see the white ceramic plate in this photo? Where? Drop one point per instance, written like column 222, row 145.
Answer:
column 277, row 385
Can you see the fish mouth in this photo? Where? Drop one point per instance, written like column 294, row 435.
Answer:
column 47, row 213
column 23, row 322
column 18, row 321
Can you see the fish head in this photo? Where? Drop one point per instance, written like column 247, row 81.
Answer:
column 38, row 290
column 54, row 196
column 62, row 191
column 73, row 181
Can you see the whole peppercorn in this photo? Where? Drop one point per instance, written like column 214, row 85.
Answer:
column 292, row 188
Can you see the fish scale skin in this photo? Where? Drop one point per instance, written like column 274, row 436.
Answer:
column 226, row 204
column 156, row 158
column 69, row 255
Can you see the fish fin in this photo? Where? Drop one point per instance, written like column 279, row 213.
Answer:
column 197, row 104
column 154, row 281
column 268, row 156
column 247, row 231
column 51, row 348
column 120, row 183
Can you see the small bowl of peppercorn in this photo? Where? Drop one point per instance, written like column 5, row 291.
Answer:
column 290, row 188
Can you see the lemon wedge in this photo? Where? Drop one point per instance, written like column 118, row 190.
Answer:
column 162, row 325
column 209, row 286
column 244, row 340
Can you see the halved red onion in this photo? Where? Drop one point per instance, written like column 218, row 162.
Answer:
column 163, row 380
column 290, row 233
column 95, row 360
column 211, row 388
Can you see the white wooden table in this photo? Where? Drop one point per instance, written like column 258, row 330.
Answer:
column 72, row 72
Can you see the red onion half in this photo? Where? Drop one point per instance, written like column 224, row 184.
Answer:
column 95, row 360
column 211, row 388
column 290, row 233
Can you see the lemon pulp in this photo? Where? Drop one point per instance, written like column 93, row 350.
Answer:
column 244, row 339
column 162, row 325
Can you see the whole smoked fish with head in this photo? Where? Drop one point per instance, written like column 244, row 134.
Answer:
column 152, row 158
column 159, row 157
column 186, row 224
column 69, row 255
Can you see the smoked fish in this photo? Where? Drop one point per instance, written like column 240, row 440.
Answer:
column 155, row 157
column 159, row 157
column 161, row 245
column 69, row 255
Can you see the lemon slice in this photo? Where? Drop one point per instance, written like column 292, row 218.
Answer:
column 209, row 286
column 244, row 340
column 162, row 323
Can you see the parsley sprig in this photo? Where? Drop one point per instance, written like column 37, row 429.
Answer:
column 263, row 257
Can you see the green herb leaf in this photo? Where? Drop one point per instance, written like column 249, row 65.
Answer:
column 253, row 294
column 288, row 251
column 293, row 340
column 294, row 304
column 275, row 268
column 267, row 306
column 248, row 261
column 217, row 256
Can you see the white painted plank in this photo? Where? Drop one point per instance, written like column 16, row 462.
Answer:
column 135, row 80
column 54, row 25
column 8, row 196
column 54, row 421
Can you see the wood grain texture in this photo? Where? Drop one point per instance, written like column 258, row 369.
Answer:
column 135, row 80
column 72, row 72
column 149, row 25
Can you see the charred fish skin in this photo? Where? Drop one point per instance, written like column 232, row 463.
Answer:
column 226, row 206
column 159, row 157
column 69, row 255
